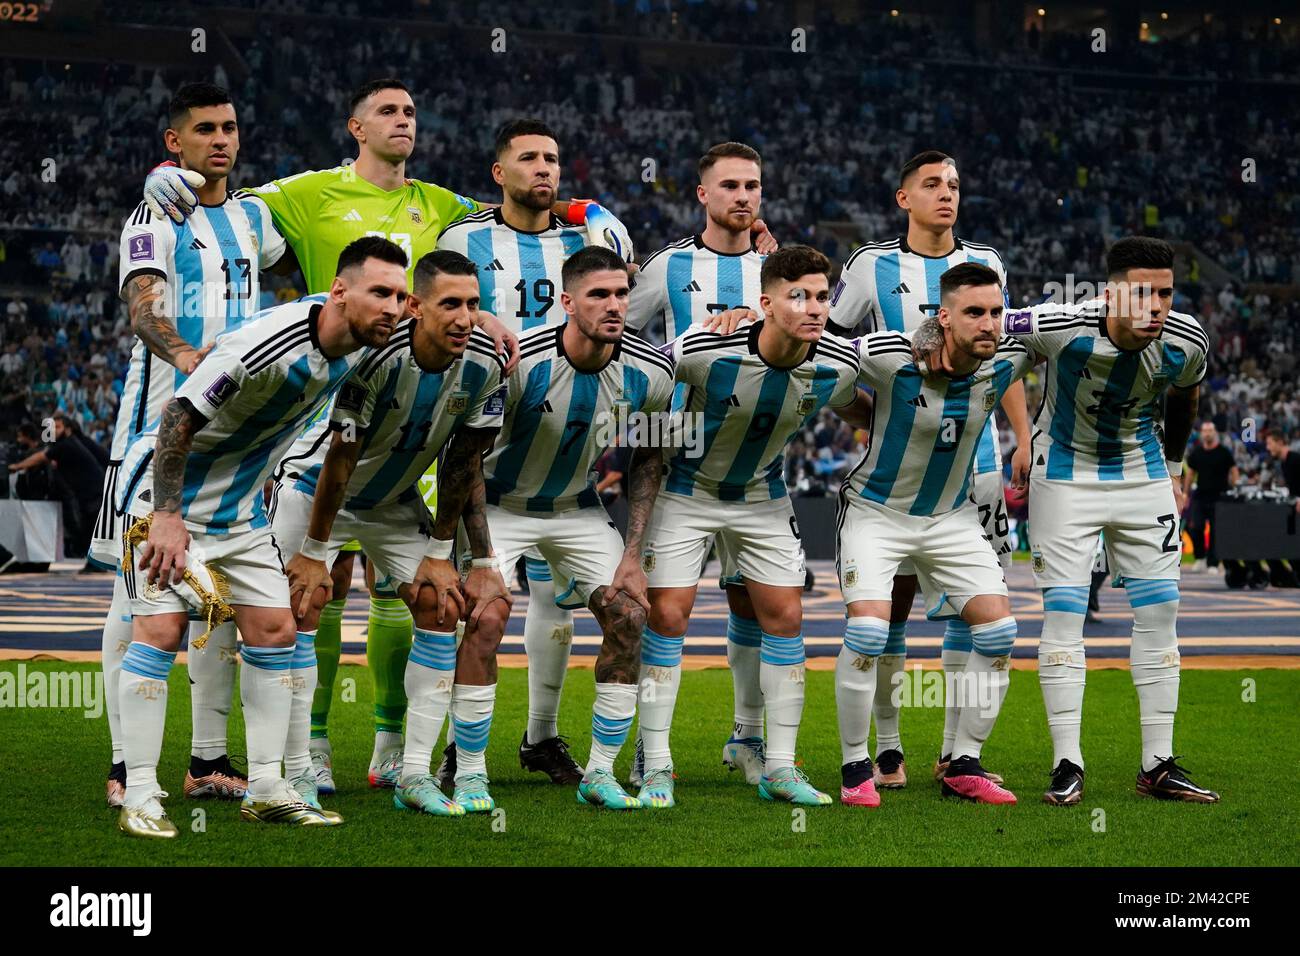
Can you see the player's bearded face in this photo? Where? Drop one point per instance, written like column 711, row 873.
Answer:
column 800, row 307
column 374, row 301
column 446, row 315
column 973, row 321
column 1141, row 300
column 732, row 192
column 529, row 171
column 209, row 140
column 599, row 305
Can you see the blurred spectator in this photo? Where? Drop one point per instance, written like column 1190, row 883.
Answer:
column 78, row 480
column 1213, row 469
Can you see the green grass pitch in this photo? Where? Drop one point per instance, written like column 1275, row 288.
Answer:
column 53, row 811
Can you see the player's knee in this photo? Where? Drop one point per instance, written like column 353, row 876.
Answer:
column 783, row 620
column 667, row 618
column 491, row 624
column 994, row 639
column 279, row 631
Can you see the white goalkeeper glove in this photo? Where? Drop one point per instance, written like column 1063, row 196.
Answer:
column 169, row 191
column 603, row 227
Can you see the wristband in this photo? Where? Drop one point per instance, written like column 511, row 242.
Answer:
column 439, row 548
column 1175, row 468
column 315, row 550
column 485, row 563
column 577, row 214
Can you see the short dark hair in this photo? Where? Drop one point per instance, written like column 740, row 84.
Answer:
column 520, row 127
column 923, row 158
column 791, row 263
column 723, row 150
column 366, row 90
column 1138, row 252
column 28, row 430
column 357, row 251
column 968, row 273
column 440, row 262
column 191, row 95
column 1279, row 434
column 590, row 259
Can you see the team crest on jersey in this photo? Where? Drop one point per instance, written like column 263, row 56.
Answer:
column 457, row 403
column 414, row 213
column 219, row 391
column 990, row 399
column 1020, row 323
column 806, row 404
column 1038, row 563
column 648, row 560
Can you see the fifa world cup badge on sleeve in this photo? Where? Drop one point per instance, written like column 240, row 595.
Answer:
column 1020, row 323
column 220, row 390
column 496, row 405
column 141, row 247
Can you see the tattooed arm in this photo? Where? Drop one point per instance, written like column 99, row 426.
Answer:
column 146, row 296
column 1180, row 411
column 644, row 475
column 306, row 570
column 163, row 556
column 461, row 492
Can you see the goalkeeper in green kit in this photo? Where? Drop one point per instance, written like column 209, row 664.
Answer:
column 318, row 213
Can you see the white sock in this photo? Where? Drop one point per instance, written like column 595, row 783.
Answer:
column 611, row 718
column 661, row 675
column 471, row 712
column 855, row 684
column 1155, row 663
column 548, row 640
column 430, row 675
column 956, row 651
column 266, row 688
column 117, row 638
column 386, row 740
column 212, row 685
column 781, row 675
column 142, row 692
column 744, row 638
column 888, row 670
column 986, row 678
column 1063, row 669
column 297, row 747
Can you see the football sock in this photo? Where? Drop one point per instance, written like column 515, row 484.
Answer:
column 142, row 692
column 888, row 674
column 781, row 675
column 212, row 684
column 611, row 717
column 986, row 678
column 1063, row 669
column 388, row 642
column 329, row 647
column 548, row 639
column 855, row 684
column 661, row 675
column 430, row 673
column 471, row 712
column 956, row 649
column 297, row 753
column 268, row 699
column 117, row 638
column 1154, row 663
column 744, row 638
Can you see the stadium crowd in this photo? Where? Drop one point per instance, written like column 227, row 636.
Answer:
column 1048, row 182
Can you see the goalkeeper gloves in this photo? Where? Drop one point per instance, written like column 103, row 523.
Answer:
column 603, row 227
column 169, row 191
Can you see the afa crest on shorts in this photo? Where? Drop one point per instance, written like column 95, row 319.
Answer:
column 457, row 403
column 1038, row 563
column 850, row 577
column 648, row 560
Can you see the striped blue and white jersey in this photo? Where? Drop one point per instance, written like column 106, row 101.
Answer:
column 402, row 416
column 559, row 420
column 749, row 411
column 518, row 272
column 887, row 286
column 684, row 283
column 1098, row 417
column 925, row 431
column 257, row 389
column 211, row 264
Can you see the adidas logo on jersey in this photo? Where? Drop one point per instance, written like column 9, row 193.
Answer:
column 901, row 289
column 731, row 400
column 197, row 245
column 693, row 287
column 918, row 402
column 544, row 407
column 493, row 266
column 352, row 216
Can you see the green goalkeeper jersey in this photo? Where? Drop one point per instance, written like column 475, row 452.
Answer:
column 320, row 211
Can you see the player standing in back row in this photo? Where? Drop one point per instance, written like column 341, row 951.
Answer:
column 894, row 285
